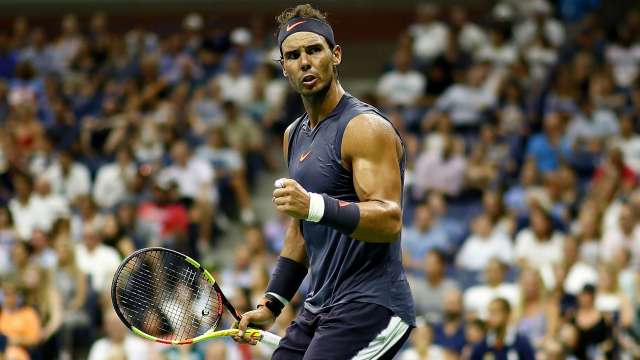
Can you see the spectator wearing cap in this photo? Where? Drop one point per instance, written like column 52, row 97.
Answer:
column 477, row 298
column 502, row 340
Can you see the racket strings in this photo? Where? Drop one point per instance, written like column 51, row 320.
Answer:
column 164, row 296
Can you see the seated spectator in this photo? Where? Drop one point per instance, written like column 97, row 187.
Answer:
column 119, row 342
column 611, row 300
column 538, row 315
column 162, row 220
column 502, row 341
column 8, row 239
column 441, row 171
column 593, row 329
column 429, row 291
column 428, row 33
column 484, row 244
column 468, row 102
column 114, row 180
column 421, row 237
column 591, row 124
column 401, row 86
column 24, row 211
column 87, row 214
column 450, row 332
column 116, row 237
column 546, row 148
column 53, row 206
column 623, row 54
column 19, row 322
column 470, row 36
column 539, row 244
column 96, row 260
column 498, row 50
column 68, row 178
column 422, row 347
column 46, row 299
column 516, row 199
column 41, row 252
column 477, row 298
column 628, row 141
column 234, row 85
column 540, row 22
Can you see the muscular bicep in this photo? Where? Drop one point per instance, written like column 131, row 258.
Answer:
column 294, row 247
column 372, row 150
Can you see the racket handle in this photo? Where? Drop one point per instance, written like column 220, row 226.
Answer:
column 269, row 339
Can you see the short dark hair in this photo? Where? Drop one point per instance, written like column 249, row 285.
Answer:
column 506, row 306
column 303, row 10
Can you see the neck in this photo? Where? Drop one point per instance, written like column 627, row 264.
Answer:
column 319, row 105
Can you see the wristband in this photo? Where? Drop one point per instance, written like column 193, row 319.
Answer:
column 285, row 281
column 316, row 207
column 341, row 215
column 272, row 303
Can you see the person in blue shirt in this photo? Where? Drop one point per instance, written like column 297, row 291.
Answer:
column 548, row 147
column 423, row 236
column 502, row 342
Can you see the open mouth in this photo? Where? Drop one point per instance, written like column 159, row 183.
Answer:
column 309, row 80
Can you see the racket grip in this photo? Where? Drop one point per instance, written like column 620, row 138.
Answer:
column 270, row 339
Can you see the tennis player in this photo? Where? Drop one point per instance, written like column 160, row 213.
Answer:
column 346, row 165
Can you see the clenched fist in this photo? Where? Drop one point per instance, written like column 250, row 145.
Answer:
column 291, row 198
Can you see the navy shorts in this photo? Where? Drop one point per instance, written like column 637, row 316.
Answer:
column 346, row 331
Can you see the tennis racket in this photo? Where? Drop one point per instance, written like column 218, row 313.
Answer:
column 167, row 297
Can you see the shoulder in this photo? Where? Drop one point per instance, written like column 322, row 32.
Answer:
column 366, row 129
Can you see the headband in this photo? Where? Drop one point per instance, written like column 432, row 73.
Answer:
column 298, row 24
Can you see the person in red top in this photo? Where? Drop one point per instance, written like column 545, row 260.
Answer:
column 614, row 168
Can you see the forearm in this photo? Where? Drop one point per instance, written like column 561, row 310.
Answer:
column 380, row 222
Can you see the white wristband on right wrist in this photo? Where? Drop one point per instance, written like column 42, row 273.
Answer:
column 316, row 207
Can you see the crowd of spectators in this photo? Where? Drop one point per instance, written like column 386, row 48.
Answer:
column 522, row 211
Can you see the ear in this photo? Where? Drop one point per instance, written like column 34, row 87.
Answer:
column 336, row 55
column 284, row 72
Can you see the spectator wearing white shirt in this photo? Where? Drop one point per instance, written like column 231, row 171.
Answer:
column 483, row 245
column 470, row 36
column 628, row 141
column 52, row 207
column 624, row 237
column 235, row 85
column 113, row 180
column 592, row 124
column 422, row 347
column 402, row 86
column 119, row 343
column 68, row 178
column 96, row 260
column 24, row 211
column 193, row 176
column 467, row 102
column 498, row 51
column 539, row 244
column 429, row 35
column 477, row 298
column 624, row 57
column 540, row 23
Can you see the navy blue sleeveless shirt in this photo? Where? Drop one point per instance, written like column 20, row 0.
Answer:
column 343, row 269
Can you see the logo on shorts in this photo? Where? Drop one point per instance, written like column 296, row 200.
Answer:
column 290, row 27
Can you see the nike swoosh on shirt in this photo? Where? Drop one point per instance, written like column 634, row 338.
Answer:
column 290, row 27
column 304, row 156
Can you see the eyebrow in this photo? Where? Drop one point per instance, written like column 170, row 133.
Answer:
column 305, row 46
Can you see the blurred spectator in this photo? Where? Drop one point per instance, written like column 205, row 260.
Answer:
column 625, row 236
column 541, row 23
column 96, row 260
column 483, row 245
column 628, row 141
column 546, row 148
column 428, row 33
column 19, row 322
column 431, row 289
column 441, row 171
column 502, row 341
column 234, row 85
column 498, row 51
column 450, row 332
column 118, row 343
column 477, row 298
column 113, row 180
column 8, row 238
column 401, row 86
column 593, row 330
column 623, row 55
column 424, row 235
column 539, row 244
column 538, row 315
column 470, row 36
column 422, row 347
column 610, row 299
column 68, row 177
column 53, row 207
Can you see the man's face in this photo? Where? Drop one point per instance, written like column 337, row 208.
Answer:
column 308, row 62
